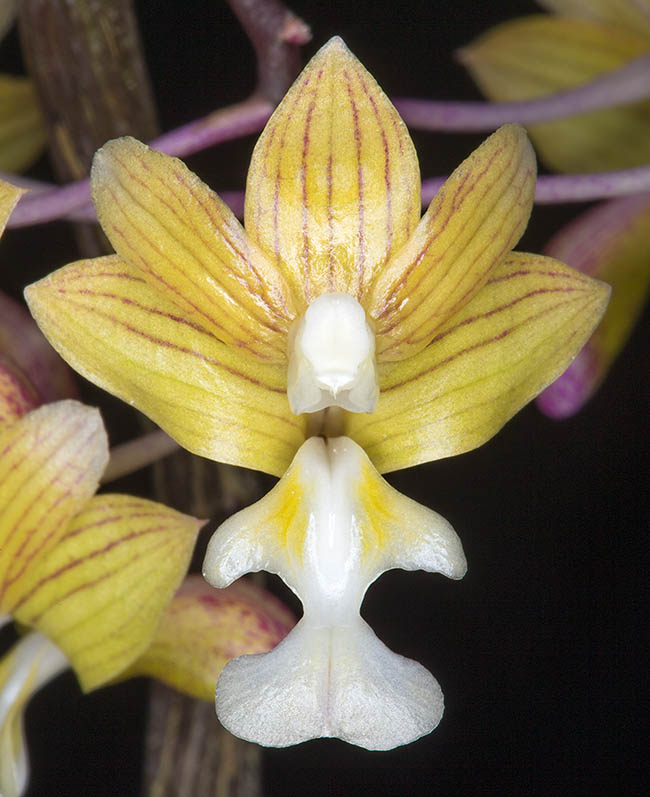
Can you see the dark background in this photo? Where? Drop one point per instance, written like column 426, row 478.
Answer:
column 538, row 650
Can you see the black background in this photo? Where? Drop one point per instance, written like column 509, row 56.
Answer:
column 539, row 649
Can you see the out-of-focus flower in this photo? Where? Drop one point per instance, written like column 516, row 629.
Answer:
column 336, row 289
column 610, row 242
column 22, row 127
column 329, row 528
column 539, row 55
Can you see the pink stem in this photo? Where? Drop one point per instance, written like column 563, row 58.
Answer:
column 235, row 121
column 629, row 84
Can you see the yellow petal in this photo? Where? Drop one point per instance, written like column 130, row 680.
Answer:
column 474, row 220
column 334, row 186
column 517, row 335
column 22, row 128
column 189, row 246
column 9, row 196
column 537, row 56
column 627, row 13
column 17, row 394
column 50, row 464
column 30, row 664
column 610, row 242
column 203, row 628
column 113, row 328
column 101, row 591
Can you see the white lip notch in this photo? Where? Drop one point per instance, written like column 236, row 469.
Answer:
column 332, row 357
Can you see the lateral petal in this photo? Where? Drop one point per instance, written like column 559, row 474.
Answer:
column 475, row 219
column 50, row 464
column 188, row 245
column 203, row 628
column 610, row 242
column 541, row 55
column 101, row 591
column 117, row 331
column 333, row 186
column 518, row 334
column 22, row 128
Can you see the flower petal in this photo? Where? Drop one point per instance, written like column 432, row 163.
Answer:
column 189, row 246
column 333, row 186
column 24, row 342
column 29, row 665
column 22, row 128
column 17, row 394
column 517, row 335
column 203, row 628
column 632, row 14
column 101, row 591
column 610, row 242
column 9, row 196
column 475, row 219
column 541, row 55
column 50, row 464
column 112, row 327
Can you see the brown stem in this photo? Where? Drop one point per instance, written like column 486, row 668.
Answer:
column 188, row 754
column 276, row 35
column 85, row 58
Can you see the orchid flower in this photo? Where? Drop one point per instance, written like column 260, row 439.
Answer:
column 337, row 313
column 540, row 55
column 218, row 334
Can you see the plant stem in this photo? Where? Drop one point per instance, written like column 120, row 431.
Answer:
column 629, row 84
column 129, row 457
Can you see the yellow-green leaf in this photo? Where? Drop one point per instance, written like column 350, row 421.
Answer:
column 204, row 627
column 117, row 331
column 333, row 186
column 190, row 247
column 631, row 14
column 22, row 128
column 474, row 220
column 541, row 55
column 518, row 334
column 610, row 242
column 50, row 464
column 100, row 592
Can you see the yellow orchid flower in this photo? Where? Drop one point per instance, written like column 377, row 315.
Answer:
column 91, row 573
column 418, row 337
column 539, row 55
column 199, row 631
column 329, row 528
